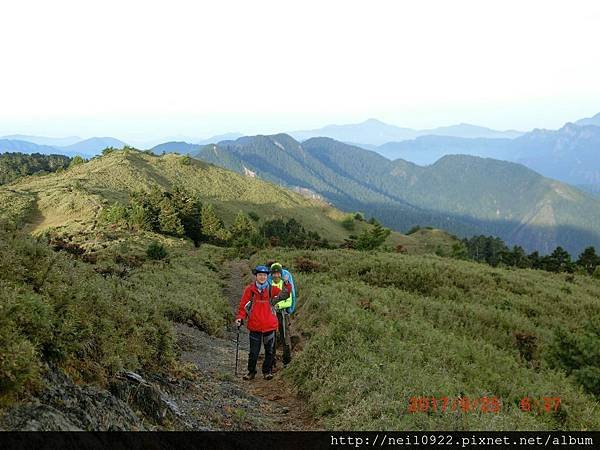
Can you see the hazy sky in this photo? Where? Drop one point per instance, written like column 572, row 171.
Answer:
column 147, row 69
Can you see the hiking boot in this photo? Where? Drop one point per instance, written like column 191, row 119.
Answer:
column 268, row 376
column 249, row 376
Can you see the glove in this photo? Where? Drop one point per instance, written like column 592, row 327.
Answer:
column 283, row 295
column 238, row 322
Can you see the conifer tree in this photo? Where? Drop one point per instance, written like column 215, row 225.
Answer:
column 588, row 260
column 212, row 226
column 169, row 219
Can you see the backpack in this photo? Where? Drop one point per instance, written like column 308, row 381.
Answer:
column 287, row 276
column 290, row 279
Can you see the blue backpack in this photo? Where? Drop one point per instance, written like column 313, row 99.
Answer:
column 287, row 276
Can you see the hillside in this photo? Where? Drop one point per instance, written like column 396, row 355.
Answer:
column 426, row 343
column 464, row 195
column 281, row 159
column 75, row 199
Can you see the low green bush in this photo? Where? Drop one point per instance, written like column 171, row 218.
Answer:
column 56, row 308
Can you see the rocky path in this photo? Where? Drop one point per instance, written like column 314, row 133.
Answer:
column 219, row 400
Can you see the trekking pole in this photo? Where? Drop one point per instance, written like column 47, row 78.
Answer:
column 283, row 326
column 237, row 349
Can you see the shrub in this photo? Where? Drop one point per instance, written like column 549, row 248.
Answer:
column 95, row 321
column 526, row 344
column 348, row 223
column 156, row 251
column 368, row 239
column 76, row 161
column 578, row 353
column 115, row 214
column 413, row 229
column 303, row 264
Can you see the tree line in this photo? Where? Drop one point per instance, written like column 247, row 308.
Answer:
column 493, row 251
column 180, row 213
column 15, row 165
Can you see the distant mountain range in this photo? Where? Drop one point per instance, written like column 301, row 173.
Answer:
column 86, row 148
column 185, row 147
column 571, row 154
column 72, row 146
column 463, row 194
column 375, row 132
column 595, row 120
column 218, row 138
column 176, row 147
column 41, row 140
column 12, row 145
column 93, row 146
column 475, row 196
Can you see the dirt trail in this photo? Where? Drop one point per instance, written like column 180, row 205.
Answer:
column 220, row 400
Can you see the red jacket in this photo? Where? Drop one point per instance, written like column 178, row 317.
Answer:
column 262, row 315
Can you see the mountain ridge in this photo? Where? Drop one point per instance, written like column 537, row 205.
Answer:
column 376, row 132
column 465, row 195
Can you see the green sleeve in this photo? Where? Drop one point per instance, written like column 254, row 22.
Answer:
column 284, row 303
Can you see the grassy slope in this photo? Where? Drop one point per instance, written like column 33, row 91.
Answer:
column 94, row 320
column 74, row 198
column 383, row 328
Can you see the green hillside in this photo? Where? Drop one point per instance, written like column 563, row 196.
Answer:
column 462, row 194
column 504, row 199
column 74, row 200
column 282, row 160
column 381, row 329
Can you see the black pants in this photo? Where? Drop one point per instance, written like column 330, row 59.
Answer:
column 268, row 340
column 283, row 339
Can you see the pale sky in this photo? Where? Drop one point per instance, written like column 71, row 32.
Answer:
column 187, row 68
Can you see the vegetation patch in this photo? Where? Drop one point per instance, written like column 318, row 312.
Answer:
column 97, row 319
column 384, row 329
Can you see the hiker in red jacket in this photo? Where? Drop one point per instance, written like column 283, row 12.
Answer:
column 257, row 303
